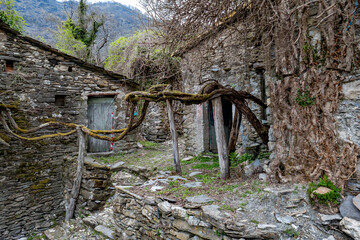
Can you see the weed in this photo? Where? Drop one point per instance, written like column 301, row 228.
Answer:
column 227, row 207
column 304, row 99
column 219, row 234
column 330, row 197
column 291, row 232
column 236, row 159
column 35, row 236
column 206, row 166
column 149, row 145
column 264, row 155
column 243, row 204
column 206, row 179
column 254, row 221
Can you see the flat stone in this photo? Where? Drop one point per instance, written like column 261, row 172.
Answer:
column 194, row 174
column 199, row 199
column 187, row 159
column 192, row 184
column 193, row 221
column 356, row 201
column 175, row 178
column 326, row 218
column 329, row 238
column 165, row 207
column 170, row 200
column 279, row 191
column 213, row 212
column 262, row 177
column 56, row 233
column 351, row 227
column 322, row 190
column 347, row 209
column 150, row 182
column 178, row 212
column 285, row 219
column 266, row 226
column 117, row 166
column 106, row 231
column 90, row 221
column 156, row 188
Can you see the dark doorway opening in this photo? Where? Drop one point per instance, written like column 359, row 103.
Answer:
column 100, row 111
column 228, row 117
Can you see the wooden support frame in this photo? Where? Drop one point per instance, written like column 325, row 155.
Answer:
column 220, row 138
column 78, row 176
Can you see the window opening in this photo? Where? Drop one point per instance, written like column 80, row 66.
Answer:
column 9, row 66
column 60, row 100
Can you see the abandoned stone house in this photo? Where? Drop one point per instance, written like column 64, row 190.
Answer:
column 223, row 54
column 38, row 84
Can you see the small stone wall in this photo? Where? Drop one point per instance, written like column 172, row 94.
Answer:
column 95, row 187
column 137, row 217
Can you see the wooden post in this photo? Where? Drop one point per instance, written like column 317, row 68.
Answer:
column 220, row 138
column 235, row 129
column 78, row 176
column 174, row 137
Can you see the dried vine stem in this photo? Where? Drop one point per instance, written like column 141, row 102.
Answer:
column 156, row 93
column 303, row 44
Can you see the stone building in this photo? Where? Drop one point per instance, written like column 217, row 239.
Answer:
column 39, row 84
column 224, row 54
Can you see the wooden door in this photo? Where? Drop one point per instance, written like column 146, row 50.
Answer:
column 100, row 118
column 227, row 115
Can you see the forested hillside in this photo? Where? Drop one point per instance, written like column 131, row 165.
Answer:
column 43, row 17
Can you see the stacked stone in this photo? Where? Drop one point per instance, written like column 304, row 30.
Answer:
column 138, row 217
column 96, row 187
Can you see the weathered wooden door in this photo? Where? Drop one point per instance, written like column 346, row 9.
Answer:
column 100, row 118
column 227, row 115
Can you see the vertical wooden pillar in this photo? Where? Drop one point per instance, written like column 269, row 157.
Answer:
column 78, row 176
column 174, row 137
column 220, row 139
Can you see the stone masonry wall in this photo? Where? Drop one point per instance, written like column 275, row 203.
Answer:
column 222, row 58
column 31, row 173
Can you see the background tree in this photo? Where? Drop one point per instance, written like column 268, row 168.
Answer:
column 77, row 35
column 144, row 58
column 10, row 16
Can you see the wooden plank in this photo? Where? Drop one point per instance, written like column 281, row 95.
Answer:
column 78, row 176
column 220, row 139
column 174, row 137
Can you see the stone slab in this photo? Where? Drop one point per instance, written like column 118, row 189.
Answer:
column 199, row 199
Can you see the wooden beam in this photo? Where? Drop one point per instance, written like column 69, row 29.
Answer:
column 78, row 176
column 174, row 137
column 220, row 138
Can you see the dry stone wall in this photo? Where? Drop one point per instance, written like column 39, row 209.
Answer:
column 41, row 84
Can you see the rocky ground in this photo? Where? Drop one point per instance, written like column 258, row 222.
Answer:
column 266, row 208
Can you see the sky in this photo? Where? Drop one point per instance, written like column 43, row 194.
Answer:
column 133, row 3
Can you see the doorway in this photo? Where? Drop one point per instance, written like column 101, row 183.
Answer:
column 100, row 111
column 227, row 115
